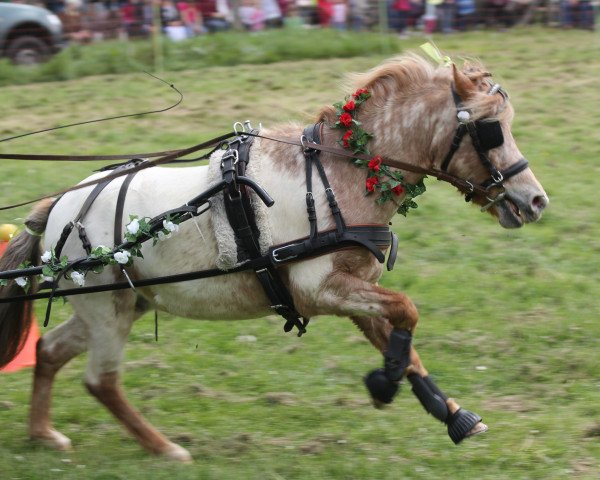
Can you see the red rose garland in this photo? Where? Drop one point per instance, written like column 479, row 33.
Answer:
column 389, row 182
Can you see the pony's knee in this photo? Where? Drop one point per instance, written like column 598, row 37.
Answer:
column 102, row 386
column 405, row 315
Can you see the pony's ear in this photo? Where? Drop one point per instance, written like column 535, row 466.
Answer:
column 463, row 84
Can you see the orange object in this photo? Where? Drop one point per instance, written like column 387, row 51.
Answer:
column 26, row 357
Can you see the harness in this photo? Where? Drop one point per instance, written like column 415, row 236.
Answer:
column 238, row 205
column 241, row 217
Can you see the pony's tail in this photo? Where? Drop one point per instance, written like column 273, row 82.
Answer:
column 15, row 317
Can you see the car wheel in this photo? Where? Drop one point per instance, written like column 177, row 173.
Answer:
column 27, row 50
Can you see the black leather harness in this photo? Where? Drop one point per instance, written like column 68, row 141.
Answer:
column 241, row 217
column 235, row 186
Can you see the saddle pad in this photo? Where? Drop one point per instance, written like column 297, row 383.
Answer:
column 228, row 251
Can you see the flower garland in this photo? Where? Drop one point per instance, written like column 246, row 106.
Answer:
column 137, row 231
column 390, row 183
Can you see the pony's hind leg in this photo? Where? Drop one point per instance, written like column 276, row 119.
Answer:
column 107, row 342
column 54, row 350
column 461, row 423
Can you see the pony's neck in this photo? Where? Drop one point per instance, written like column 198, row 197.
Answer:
column 407, row 128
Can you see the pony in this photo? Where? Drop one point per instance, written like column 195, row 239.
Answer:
column 412, row 116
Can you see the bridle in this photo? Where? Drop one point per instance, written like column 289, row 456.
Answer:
column 485, row 136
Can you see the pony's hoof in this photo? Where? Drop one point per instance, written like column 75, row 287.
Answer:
column 461, row 423
column 53, row 439
column 381, row 388
column 177, row 453
column 477, row 429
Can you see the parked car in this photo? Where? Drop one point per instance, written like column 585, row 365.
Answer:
column 28, row 34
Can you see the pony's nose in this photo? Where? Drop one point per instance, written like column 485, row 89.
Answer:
column 538, row 203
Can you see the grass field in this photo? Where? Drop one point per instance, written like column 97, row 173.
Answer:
column 509, row 319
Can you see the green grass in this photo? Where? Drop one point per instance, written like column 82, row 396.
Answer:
column 523, row 304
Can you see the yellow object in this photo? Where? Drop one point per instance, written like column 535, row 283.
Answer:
column 7, row 230
column 430, row 49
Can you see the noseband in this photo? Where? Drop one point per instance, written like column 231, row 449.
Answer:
column 485, row 136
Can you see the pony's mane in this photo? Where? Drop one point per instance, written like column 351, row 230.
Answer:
column 410, row 74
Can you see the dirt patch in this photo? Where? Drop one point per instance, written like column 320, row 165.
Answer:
column 509, row 403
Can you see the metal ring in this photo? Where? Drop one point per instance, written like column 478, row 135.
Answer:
column 471, row 186
column 497, row 177
column 302, row 140
column 235, row 128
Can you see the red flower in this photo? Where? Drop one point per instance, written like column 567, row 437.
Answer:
column 347, row 137
column 371, row 182
column 398, row 190
column 359, row 92
column 374, row 163
column 346, row 119
column 349, row 106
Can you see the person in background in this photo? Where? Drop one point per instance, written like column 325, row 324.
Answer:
column 339, row 14
column 214, row 15
column 325, row 8
column 137, row 19
column 251, row 16
column 191, row 18
column 577, row 13
column 356, row 14
column 465, row 14
column 75, row 24
column 271, row 13
column 399, row 12
column 446, row 12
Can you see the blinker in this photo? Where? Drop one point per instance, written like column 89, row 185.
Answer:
column 489, row 133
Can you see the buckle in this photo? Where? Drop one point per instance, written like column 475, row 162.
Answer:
column 275, row 254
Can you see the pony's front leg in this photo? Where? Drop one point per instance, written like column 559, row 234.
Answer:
column 461, row 423
column 389, row 319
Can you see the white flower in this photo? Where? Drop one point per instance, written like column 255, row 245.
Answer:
column 22, row 281
column 46, row 278
column 46, row 257
column 78, row 278
column 134, row 226
column 122, row 257
column 170, row 226
column 463, row 116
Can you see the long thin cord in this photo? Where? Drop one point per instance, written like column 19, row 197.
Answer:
column 106, row 118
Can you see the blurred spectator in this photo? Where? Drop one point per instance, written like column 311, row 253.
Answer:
column 465, row 14
column 56, row 6
column 215, row 15
column 308, row 11
column 577, row 13
column 272, row 13
column 293, row 19
column 137, row 18
column 171, row 22
column 399, row 12
column 325, row 8
column 496, row 13
column 356, row 13
column 447, row 15
column 417, row 9
column 339, row 14
column 251, row 15
column 190, row 17
column 75, row 25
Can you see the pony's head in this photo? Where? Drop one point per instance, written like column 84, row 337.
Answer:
column 457, row 121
